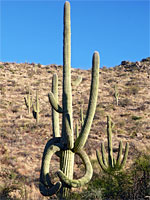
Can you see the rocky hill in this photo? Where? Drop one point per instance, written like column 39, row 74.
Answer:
column 22, row 140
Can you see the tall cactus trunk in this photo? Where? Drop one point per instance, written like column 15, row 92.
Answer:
column 67, row 163
column 67, row 157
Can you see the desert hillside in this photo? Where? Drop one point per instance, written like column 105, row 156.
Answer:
column 22, row 141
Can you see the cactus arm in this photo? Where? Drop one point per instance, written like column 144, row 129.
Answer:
column 118, row 162
column 49, row 191
column 54, row 103
column 55, row 115
column 46, row 187
column 103, row 154
column 100, row 161
column 88, row 172
column 81, row 140
column 109, row 138
column 125, row 155
column 77, row 81
column 81, row 116
column 28, row 102
column 77, row 130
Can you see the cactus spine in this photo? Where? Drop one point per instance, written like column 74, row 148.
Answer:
column 36, row 108
column 65, row 144
column 111, row 164
column 28, row 101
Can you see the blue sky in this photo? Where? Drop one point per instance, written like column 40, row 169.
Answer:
column 32, row 31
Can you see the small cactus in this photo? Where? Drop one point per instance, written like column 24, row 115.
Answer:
column 28, row 101
column 77, row 81
column 111, row 164
column 36, row 108
column 116, row 95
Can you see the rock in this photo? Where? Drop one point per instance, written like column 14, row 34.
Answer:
column 139, row 135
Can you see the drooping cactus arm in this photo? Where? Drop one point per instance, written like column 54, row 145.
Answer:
column 54, row 103
column 125, row 155
column 49, row 191
column 88, row 172
column 81, row 140
column 46, row 187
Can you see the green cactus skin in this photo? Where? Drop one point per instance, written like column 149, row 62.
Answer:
column 55, row 114
column 36, row 108
column 64, row 146
column 28, row 101
column 116, row 95
column 77, row 129
column 81, row 116
column 81, row 140
column 111, row 164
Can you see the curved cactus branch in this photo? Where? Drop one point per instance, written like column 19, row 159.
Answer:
column 54, row 103
column 81, row 140
column 49, row 191
column 100, row 161
column 88, row 172
column 46, row 187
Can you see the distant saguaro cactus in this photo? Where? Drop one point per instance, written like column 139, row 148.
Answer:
column 36, row 108
column 28, row 101
column 64, row 146
column 111, row 164
column 116, row 95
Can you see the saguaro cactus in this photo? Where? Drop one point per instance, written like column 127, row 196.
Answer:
column 28, row 101
column 36, row 108
column 111, row 164
column 116, row 95
column 65, row 145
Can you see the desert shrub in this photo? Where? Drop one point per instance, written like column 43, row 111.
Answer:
column 136, row 117
column 141, row 178
column 133, row 183
column 133, row 90
column 125, row 102
column 1, row 67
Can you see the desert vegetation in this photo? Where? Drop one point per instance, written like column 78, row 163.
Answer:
column 29, row 121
